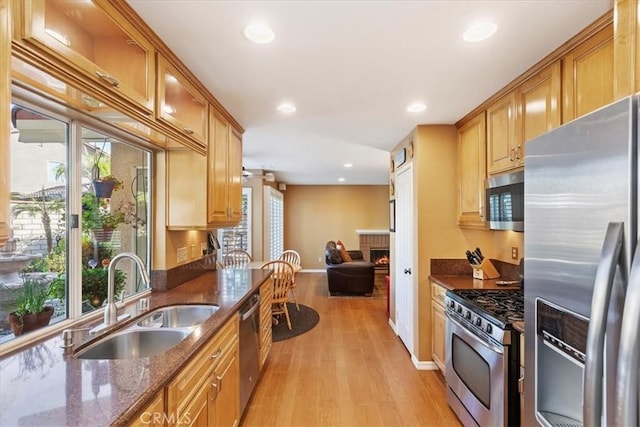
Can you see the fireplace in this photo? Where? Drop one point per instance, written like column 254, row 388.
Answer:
column 380, row 257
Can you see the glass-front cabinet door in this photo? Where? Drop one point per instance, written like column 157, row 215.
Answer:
column 92, row 37
column 181, row 105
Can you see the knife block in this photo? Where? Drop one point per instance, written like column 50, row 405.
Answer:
column 485, row 270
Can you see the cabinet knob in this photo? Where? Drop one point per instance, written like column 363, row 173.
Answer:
column 188, row 131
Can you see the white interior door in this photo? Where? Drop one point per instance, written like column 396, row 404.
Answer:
column 404, row 258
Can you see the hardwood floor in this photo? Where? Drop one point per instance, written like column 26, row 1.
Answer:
column 350, row 370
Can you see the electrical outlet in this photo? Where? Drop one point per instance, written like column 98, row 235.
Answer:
column 514, row 252
column 193, row 250
column 319, row 259
column 181, row 255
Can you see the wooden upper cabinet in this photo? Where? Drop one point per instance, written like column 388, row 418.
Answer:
column 501, row 135
column 181, row 106
column 472, row 172
column 218, row 188
column 537, row 106
column 531, row 109
column 587, row 78
column 235, row 176
column 5, row 103
column 225, row 171
column 92, row 38
column 626, row 48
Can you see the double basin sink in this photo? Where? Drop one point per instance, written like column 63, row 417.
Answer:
column 156, row 332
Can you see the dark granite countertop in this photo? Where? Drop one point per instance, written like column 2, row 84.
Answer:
column 452, row 282
column 41, row 385
column 519, row 326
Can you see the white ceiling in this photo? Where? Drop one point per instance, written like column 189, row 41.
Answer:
column 352, row 67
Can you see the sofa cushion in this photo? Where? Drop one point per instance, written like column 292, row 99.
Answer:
column 334, row 256
column 343, row 252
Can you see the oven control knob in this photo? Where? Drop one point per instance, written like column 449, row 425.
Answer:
column 467, row 315
column 478, row 321
column 459, row 309
column 452, row 304
column 489, row 328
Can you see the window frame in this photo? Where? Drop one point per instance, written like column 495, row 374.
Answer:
column 75, row 121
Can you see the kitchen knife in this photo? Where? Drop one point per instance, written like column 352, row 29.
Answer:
column 473, row 259
column 478, row 253
column 470, row 257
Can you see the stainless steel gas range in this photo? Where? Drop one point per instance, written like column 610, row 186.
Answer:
column 482, row 364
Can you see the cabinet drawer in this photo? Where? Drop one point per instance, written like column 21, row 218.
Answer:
column 438, row 293
column 189, row 380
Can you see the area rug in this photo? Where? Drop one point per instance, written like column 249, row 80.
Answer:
column 301, row 321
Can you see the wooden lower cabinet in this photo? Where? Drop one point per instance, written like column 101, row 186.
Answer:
column 438, row 322
column 206, row 391
column 216, row 403
column 266, row 297
column 224, row 404
column 153, row 415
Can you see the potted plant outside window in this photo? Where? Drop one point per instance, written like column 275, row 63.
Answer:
column 30, row 310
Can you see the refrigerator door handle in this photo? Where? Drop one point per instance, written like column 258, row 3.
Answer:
column 594, row 364
column 626, row 410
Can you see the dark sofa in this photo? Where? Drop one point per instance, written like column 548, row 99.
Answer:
column 354, row 277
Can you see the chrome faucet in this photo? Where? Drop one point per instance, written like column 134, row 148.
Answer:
column 111, row 317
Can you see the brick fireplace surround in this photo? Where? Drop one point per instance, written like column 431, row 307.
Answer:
column 372, row 239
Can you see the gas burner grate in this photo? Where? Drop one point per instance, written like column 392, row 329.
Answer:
column 505, row 306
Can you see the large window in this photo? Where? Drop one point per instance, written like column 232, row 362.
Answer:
column 274, row 222
column 79, row 196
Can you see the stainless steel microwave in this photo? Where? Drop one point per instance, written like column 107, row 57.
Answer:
column 505, row 201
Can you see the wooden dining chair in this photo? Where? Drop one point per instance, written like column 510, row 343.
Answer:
column 293, row 258
column 282, row 278
column 236, row 258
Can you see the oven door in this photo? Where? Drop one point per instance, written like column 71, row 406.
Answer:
column 476, row 373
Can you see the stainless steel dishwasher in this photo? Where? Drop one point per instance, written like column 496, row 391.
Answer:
column 249, row 350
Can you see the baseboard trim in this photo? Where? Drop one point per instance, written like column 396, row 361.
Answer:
column 393, row 326
column 424, row 366
column 313, row 270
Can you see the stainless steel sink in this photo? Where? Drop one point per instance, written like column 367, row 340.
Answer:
column 134, row 343
column 178, row 316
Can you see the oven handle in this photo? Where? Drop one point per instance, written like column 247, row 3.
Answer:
column 477, row 339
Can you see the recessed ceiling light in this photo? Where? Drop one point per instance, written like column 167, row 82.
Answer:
column 286, row 107
column 341, row 179
column 348, row 165
column 259, row 33
column 480, row 32
column 416, row 107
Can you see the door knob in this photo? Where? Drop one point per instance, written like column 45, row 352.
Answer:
column 407, row 271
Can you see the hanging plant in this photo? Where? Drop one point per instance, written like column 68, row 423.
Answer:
column 105, row 186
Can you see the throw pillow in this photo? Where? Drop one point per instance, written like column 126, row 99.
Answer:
column 343, row 251
column 334, row 256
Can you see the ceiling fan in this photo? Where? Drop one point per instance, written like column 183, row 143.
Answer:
column 257, row 174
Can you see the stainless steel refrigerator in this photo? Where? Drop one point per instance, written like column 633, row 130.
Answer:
column 582, row 273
